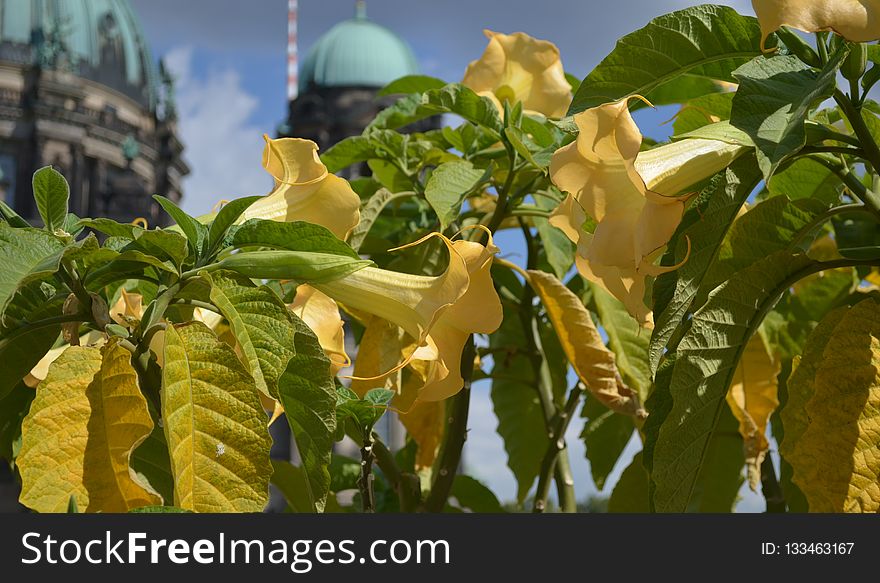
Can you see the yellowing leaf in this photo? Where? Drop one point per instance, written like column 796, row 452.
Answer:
column 752, row 399
column 583, row 345
column 832, row 442
column 214, row 425
column 77, row 440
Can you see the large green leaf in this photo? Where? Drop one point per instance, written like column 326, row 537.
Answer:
column 263, row 326
column 833, row 441
column 771, row 226
column 308, row 394
column 474, row 495
column 14, row 406
column 631, row 493
column 721, row 477
column 702, row 111
column 806, row 178
column 22, row 346
column 214, row 424
column 676, row 57
column 412, row 84
column 370, row 211
column 707, row 359
column 703, row 227
column 605, row 436
column 195, row 232
column 448, row 186
column 151, row 461
column 87, row 418
column 453, row 98
column 291, row 236
column 51, row 193
column 26, row 255
column 227, row 216
column 347, row 152
column 514, row 394
column 773, row 100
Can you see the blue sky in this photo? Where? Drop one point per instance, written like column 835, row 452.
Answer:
column 230, row 60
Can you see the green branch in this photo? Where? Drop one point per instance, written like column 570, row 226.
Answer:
column 556, row 447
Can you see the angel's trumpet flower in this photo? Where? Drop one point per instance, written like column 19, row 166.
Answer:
column 516, row 67
column 304, row 189
column 633, row 197
column 854, row 20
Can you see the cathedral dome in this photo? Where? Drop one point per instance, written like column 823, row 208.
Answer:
column 357, row 53
column 100, row 40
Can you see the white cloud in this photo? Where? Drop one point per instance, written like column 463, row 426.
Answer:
column 223, row 146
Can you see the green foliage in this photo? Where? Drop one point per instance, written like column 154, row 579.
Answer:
column 676, row 57
column 51, row 194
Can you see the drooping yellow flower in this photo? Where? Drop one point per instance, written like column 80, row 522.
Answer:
column 321, row 314
column 517, row 67
column 436, row 322
column 633, row 198
column 855, row 20
column 304, row 189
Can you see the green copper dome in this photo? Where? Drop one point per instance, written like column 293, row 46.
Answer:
column 98, row 39
column 357, row 53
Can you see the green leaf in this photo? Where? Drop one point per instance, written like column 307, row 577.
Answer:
column 774, row 97
column 390, row 176
column 411, row 84
column 707, row 359
column 449, row 184
column 721, row 477
column 706, row 43
column 262, row 325
column 77, row 439
column 557, row 247
column 304, row 267
column 370, row 211
column 20, row 353
column 806, row 178
column 26, row 254
column 768, row 227
column 406, row 110
column 632, row 491
column 363, row 412
column 474, row 495
column 705, row 225
column 293, row 484
column 225, row 219
column 14, row 406
column 831, row 442
column 515, row 401
column 702, row 111
column 51, row 193
column 194, row 230
column 307, row 392
column 458, row 99
column 10, row 216
column 349, row 151
column 152, row 462
column 605, row 436
column 292, row 236
column 214, row 424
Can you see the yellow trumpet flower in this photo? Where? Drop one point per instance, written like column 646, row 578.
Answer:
column 633, row 197
column 304, row 189
column 855, row 20
column 517, row 67
column 435, row 322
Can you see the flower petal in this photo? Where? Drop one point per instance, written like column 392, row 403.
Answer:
column 321, row 314
column 304, row 190
column 518, row 67
column 855, row 20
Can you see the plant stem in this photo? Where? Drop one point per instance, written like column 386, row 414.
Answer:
column 556, row 446
column 365, row 481
column 456, row 434
column 501, row 204
column 857, row 152
column 854, row 115
column 543, row 381
column 197, row 304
